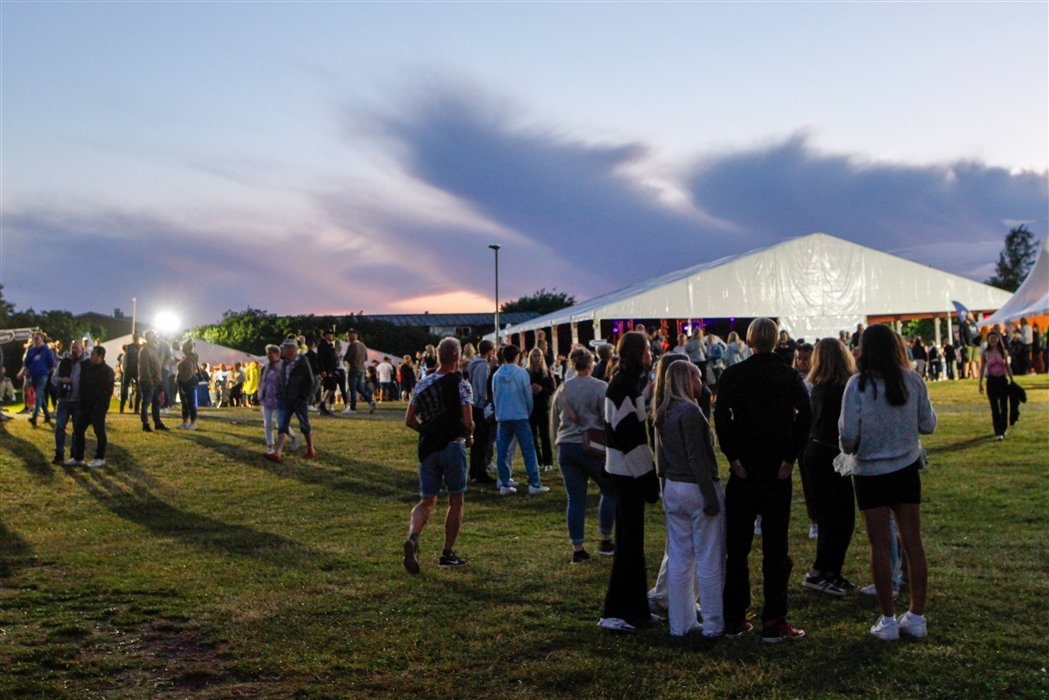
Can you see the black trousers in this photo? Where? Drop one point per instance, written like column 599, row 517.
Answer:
column 998, row 394
column 540, row 422
column 127, row 382
column 745, row 499
column 480, row 450
column 627, row 596
column 97, row 420
column 835, row 505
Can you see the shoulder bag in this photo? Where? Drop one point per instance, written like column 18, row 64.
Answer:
column 593, row 438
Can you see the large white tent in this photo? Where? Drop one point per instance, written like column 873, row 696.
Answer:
column 815, row 285
column 209, row 353
column 1032, row 298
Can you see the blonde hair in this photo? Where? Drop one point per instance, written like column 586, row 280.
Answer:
column 763, row 334
column 659, row 383
column 733, row 337
column 832, row 363
column 448, row 350
column 676, row 386
column 537, row 352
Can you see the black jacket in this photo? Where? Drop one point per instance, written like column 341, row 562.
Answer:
column 762, row 414
column 64, row 371
column 96, row 387
column 327, row 358
column 826, row 407
column 541, row 401
column 296, row 385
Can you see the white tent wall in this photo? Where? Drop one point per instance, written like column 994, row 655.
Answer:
column 1032, row 298
column 816, row 285
column 209, row 353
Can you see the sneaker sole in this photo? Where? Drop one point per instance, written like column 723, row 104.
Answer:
column 777, row 640
column 605, row 554
column 820, row 589
column 451, row 566
column 411, row 557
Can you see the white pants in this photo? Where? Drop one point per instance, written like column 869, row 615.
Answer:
column 695, row 550
column 269, row 417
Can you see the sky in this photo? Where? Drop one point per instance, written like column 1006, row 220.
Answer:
column 328, row 157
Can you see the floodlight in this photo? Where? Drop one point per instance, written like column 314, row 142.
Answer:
column 166, row 322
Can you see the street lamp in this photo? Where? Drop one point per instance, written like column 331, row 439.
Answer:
column 496, row 247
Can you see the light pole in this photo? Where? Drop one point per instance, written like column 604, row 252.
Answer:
column 496, row 247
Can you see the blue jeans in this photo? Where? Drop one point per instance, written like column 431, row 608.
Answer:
column 357, row 385
column 67, row 411
column 39, row 385
column 447, row 466
column 300, row 411
column 577, row 468
column 522, row 430
column 150, row 397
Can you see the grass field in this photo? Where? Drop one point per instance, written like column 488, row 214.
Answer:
column 191, row 567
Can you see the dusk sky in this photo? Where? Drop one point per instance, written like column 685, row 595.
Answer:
column 337, row 157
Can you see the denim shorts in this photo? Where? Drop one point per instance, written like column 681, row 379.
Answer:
column 448, row 466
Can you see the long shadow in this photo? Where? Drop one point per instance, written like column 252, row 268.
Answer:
column 133, row 502
column 959, row 446
column 13, row 551
column 362, row 478
column 34, row 461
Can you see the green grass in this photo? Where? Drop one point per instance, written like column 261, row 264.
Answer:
column 191, row 567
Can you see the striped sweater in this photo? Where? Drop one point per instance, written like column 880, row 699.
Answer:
column 627, row 452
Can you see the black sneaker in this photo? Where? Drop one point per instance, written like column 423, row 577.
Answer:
column 845, row 584
column 822, row 584
column 32, row 420
column 58, row 460
column 740, row 629
column 411, row 556
column 580, row 557
column 607, row 548
column 162, row 427
column 146, row 428
column 451, row 561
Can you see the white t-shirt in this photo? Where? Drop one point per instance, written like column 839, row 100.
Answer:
column 385, row 371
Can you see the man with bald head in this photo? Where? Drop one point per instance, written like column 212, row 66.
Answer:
column 66, row 381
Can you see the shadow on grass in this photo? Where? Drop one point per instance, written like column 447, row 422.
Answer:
column 959, row 446
column 34, row 461
column 131, row 500
column 13, row 550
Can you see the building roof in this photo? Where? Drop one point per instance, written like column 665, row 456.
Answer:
column 421, row 320
column 816, row 285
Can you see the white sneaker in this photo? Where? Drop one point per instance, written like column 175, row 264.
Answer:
column 95, row 464
column 312, row 409
column 548, row 468
column 872, row 591
column 181, row 426
column 886, row 629
column 757, row 526
column 615, row 624
column 295, row 442
column 71, row 462
column 163, row 411
column 536, row 490
column 506, row 490
column 270, row 450
column 348, row 410
column 814, row 531
column 513, row 483
column 192, row 426
column 491, row 469
column 912, row 624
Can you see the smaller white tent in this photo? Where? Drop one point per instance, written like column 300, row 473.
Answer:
column 209, row 353
column 1032, row 298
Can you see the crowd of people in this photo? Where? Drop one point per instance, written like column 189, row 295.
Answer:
column 642, row 420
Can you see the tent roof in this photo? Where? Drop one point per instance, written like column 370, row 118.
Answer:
column 814, row 284
column 211, row 353
column 1032, row 298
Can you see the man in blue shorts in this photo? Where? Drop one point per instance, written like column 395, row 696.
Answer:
column 441, row 411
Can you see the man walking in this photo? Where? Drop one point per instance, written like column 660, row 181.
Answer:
column 479, row 370
column 36, row 369
column 96, row 390
column 67, row 388
column 294, row 390
column 441, row 411
column 328, row 367
column 762, row 418
column 149, row 376
column 357, row 361
column 512, row 389
column 129, row 373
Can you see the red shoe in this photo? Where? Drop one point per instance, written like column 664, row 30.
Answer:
column 272, row 456
column 743, row 628
column 779, row 630
column 311, row 454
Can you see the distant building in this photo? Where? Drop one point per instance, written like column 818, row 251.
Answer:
column 456, row 325
column 115, row 326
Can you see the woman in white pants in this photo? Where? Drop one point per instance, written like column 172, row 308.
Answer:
column 694, row 502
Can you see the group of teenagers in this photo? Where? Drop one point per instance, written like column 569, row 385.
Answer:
column 642, row 431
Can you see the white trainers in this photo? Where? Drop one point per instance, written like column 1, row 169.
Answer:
column 536, row 490
column 615, row 624
column 912, row 624
column 95, row 464
column 295, row 442
column 347, row 411
column 71, row 462
column 270, row 450
column 814, row 531
column 192, row 426
column 872, row 591
column 513, row 483
column 506, row 490
column 886, row 629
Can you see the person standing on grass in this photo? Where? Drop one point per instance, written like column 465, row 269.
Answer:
column 149, row 378
column 328, row 368
column 828, row 493
column 37, row 366
column 187, row 376
column 512, row 393
column 295, row 386
column 577, row 408
column 441, row 411
column 478, row 371
column 67, row 384
column 539, row 419
column 762, row 418
column 357, row 363
column 884, row 410
column 994, row 364
column 129, row 372
column 96, row 391
column 628, row 461
column 269, row 399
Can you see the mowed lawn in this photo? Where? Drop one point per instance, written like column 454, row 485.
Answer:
column 191, row 567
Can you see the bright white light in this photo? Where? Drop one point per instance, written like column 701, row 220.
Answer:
column 166, row 322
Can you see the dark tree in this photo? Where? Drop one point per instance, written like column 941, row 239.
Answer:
column 1015, row 260
column 542, row 302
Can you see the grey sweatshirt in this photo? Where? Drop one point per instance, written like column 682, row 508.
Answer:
column 685, row 449
column 587, row 396
column 884, row 438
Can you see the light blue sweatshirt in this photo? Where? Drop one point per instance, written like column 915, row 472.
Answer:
column 512, row 391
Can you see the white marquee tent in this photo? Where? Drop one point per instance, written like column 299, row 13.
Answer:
column 1032, row 298
column 209, row 353
column 815, row 285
